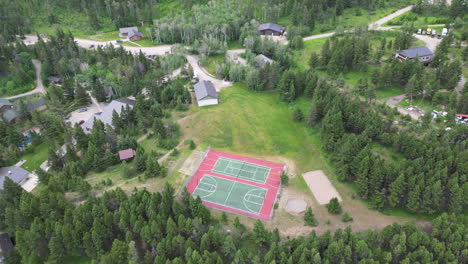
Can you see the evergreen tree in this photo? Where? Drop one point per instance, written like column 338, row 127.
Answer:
column 309, row 218
column 334, row 206
column 140, row 160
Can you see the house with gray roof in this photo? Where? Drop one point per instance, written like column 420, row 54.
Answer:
column 131, row 33
column 261, row 60
column 271, row 29
column 106, row 115
column 205, row 93
column 424, row 54
column 8, row 111
column 16, row 174
column 5, row 246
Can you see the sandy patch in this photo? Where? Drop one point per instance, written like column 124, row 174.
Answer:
column 320, row 186
column 192, row 162
column 296, row 206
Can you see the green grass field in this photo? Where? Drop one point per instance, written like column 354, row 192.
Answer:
column 36, row 157
column 259, row 123
column 417, row 19
column 210, row 63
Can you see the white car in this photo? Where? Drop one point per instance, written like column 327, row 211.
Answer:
column 419, row 31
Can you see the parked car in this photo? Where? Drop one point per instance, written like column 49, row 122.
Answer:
column 429, row 31
column 439, row 36
column 119, row 41
column 423, row 32
column 91, row 46
column 419, row 31
column 81, row 122
column 434, row 33
column 83, row 109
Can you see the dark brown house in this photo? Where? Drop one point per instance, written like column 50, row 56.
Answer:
column 271, row 29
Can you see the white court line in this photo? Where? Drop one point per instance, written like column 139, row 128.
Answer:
column 245, row 205
column 229, row 194
column 210, row 193
column 211, row 186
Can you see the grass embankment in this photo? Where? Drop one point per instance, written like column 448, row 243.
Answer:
column 209, row 64
column 417, row 19
column 35, row 157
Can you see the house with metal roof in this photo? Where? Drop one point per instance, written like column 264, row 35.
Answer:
column 8, row 111
column 127, row 154
column 131, row 33
column 261, row 60
column 271, row 29
column 423, row 54
column 205, row 93
column 5, row 246
column 106, row 115
column 16, row 174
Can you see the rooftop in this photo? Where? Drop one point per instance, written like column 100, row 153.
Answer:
column 261, row 60
column 126, row 154
column 127, row 30
column 5, row 244
column 205, row 89
column 416, row 52
column 17, row 174
column 271, row 26
column 106, row 115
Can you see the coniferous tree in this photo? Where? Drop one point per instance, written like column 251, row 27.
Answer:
column 309, row 218
column 334, row 206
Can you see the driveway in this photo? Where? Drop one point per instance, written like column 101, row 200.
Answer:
column 39, row 85
column 93, row 108
column 234, row 56
column 202, row 74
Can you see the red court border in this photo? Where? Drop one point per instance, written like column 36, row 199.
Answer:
column 272, row 183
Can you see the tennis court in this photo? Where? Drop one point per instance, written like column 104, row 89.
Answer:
column 229, row 193
column 241, row 169
column 237, row 184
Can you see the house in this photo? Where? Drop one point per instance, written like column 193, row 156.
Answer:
column 39, row 105
column 5, row 246
column 271, row 29
column 131, row 33
column 206, row 93
column 461, row 119
column 15, row 173
column 424, row 54
column 54, row 79
column 106, row 115
column 7, row 110
column 109, row 91
column 126, row 154
column 261, row 60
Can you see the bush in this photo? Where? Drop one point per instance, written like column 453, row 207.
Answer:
column 174, row 152
column 284, row 178
column 309, row 218
column 192, row 145
column 334, row 206
column 298, row 115
column 346, row 218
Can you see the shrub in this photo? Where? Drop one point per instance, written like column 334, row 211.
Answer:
column 174, row 152
column 298, row 115
column 346, row 218
column 192, row 145
column 334, row 206
column 284, row 178
column 309, row 218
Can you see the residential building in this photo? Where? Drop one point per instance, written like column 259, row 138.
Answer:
column 271, row 29
column 127, row 154
column 106, row 115
column 205, row 93
column 54, row 79
column 424, row 54
column 261, row 60
column 131, row 33
column 5, row 246
column 8, row 111
column 17, row 174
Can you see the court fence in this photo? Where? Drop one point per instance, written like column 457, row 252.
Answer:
column 179, row 193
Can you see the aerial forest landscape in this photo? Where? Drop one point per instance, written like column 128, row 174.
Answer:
column 233, row 131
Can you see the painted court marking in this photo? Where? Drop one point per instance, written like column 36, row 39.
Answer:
column 230, row 193
column 241, row 169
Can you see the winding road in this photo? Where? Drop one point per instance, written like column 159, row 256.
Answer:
column 39, row 85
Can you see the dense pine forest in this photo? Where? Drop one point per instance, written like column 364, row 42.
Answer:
column 157, row 228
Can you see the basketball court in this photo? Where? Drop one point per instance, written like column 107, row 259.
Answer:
column 237, row 184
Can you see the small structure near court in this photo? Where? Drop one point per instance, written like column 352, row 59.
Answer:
column 321, row 186
column 126, row 154
column 237, row 184
column 206, row 93
column 296, row 206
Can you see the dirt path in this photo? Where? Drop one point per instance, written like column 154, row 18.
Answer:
column 202, row 74
column 39, row 85
column 378, row 24
column 234, row 56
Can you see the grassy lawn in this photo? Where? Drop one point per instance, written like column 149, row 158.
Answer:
column 301, row 57
column 210, row 63
column 102, row 36
column 256, row 123
column 417, row 19
column 425, row 104
column 36, row 157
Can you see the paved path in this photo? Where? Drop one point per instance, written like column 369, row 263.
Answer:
column 202, row 74
column 39, row 85
column 234, row 56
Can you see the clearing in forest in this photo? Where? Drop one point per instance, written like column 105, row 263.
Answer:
column 237, row 184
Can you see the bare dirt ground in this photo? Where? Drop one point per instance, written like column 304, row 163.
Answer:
column 320, row 186
column 191, row 163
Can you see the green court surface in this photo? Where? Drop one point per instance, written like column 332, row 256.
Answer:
column 230, row 193
column 241, row 169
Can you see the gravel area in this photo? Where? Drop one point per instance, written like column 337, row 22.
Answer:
column 320, row 186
